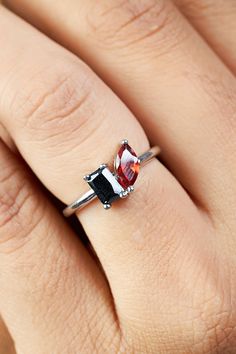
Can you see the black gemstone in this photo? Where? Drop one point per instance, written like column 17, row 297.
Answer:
column 105, row 185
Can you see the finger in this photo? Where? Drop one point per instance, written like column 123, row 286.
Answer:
column 181, row 92
column 47, row 279
column 66, row 122
column 216, row 22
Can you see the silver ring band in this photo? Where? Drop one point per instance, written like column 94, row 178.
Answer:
column 104, row 172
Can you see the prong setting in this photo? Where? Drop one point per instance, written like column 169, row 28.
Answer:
column 130, row 189
column 102, row 166
column 87, row 178
column 124, row 142
column 124, row 194
column 106, row 206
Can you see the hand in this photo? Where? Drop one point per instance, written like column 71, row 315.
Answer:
column 147, row 71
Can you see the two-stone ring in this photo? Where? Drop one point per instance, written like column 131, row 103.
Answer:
column 107, row 185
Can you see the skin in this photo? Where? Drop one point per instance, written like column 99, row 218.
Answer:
column 154, row 72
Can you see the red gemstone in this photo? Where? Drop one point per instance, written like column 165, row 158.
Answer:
column 127, row 166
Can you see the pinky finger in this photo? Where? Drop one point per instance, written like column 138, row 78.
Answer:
column 47, row 278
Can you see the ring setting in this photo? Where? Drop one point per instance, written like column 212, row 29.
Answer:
column 107, row 185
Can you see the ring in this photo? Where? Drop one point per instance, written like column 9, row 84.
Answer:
column 107, row 185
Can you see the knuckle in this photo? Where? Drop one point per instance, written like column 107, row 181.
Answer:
column 129, row 22
column 18, row 211
column 60, row 106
